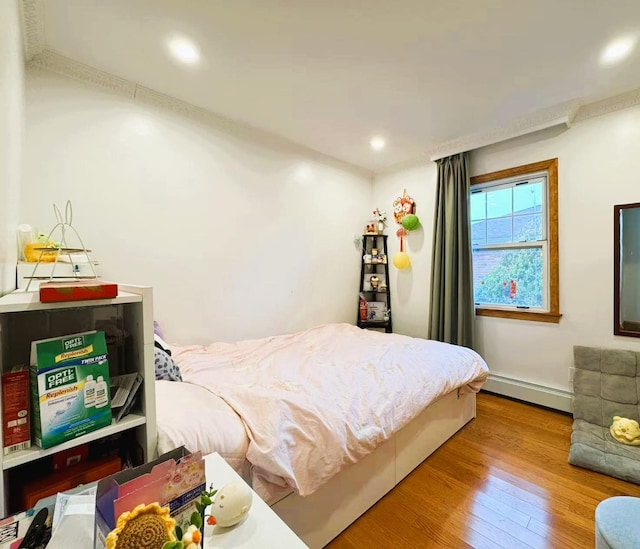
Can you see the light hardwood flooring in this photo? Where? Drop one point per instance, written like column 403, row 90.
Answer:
column 503, row 481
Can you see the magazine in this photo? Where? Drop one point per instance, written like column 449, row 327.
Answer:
column 123, row 393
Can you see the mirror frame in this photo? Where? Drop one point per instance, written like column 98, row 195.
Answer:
column 618, row 328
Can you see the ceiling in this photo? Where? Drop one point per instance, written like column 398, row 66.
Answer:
column 330, row 74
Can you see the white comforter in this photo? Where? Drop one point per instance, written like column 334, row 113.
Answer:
column 316, row 401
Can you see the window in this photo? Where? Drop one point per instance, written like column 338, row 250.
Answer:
column 514, row 239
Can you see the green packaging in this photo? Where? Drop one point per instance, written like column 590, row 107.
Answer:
column 70, row 393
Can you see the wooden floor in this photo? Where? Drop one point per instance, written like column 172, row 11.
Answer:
column 503, row 481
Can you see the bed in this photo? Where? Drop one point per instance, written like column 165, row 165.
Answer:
column 322, row 422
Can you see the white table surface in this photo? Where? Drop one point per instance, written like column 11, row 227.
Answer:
column 261, row 528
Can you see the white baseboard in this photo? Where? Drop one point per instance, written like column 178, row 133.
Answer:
column 529, row 392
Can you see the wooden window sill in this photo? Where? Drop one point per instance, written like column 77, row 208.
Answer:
column 520, row 315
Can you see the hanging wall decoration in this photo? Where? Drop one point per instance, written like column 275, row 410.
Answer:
column 403, row 205
column 404, row 213
column 401, row 259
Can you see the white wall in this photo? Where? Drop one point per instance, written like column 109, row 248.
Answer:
column 11, row 124
column 239, row 238
column 598, row 167
column 410, row 287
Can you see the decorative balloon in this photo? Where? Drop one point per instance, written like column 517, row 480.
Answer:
column 401, row 260
column 410, row 222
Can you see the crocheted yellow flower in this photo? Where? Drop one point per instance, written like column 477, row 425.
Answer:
column 146, row 527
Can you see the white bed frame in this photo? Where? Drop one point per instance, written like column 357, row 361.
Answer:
column 320, row 517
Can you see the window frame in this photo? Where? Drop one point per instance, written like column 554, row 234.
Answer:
column 551, row 278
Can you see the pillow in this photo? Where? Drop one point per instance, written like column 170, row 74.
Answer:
column 166, row 368
column 161, row 344
column 156, row 329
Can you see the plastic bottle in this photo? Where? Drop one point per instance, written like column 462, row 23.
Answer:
column 26, row 235
column 101, row 393
column 89, row 392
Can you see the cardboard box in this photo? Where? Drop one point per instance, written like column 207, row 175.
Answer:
column 69, row 387
column 14, row 528
column 175, row 480
column 58, row 481
column 77, row 290
column 376, row 310
column 16, row 421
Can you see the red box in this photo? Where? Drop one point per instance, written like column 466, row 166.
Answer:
column 16, row 431
column 59, row 481
column 77, row 290
column 70, row 457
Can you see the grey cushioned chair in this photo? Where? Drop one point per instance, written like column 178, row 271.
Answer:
column 606, row 383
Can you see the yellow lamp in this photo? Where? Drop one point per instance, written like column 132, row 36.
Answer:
column 401, row 260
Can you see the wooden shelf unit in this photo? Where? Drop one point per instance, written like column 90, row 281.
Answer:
column 379, row 268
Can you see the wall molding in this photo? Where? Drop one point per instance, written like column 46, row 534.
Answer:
column 561, row 114
column 32, row 27
column 530, row 392
column 565, row 113
column 610, row 104
column 59, row 64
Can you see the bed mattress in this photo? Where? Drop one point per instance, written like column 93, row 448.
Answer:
column 333, row 387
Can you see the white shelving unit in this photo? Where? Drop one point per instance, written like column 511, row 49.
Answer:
column 129, row 316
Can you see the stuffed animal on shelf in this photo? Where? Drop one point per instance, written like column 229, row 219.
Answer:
column 625, row 430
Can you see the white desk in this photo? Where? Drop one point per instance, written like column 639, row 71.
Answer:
column 261, row 529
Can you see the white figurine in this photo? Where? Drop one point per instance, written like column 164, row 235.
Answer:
column 232, row 503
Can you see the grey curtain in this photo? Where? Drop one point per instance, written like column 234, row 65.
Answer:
column 451, row 311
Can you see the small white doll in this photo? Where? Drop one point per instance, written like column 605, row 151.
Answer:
column 231, row 505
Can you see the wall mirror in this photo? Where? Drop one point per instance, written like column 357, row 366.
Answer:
column 626, row 223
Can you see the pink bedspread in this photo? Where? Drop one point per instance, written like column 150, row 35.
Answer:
column 318, row 400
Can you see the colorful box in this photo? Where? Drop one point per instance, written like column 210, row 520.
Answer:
column 16, row 425
column 70, row 393
column 77, row 290
column 175, row 480
column 376, row 310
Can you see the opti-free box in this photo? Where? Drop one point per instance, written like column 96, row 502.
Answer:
column 69, row 387
column 16, row 427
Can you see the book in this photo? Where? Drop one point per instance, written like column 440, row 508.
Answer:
column 123, row 393
column 16, row 420
column 77, row 290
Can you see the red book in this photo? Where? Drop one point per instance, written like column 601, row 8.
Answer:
column 16, row 433
column 77, row 290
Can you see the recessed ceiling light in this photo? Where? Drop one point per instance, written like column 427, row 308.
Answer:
column 377, row 143
column 617, row 50
column 141, row 125
column 184, row 50
column 302, row 173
